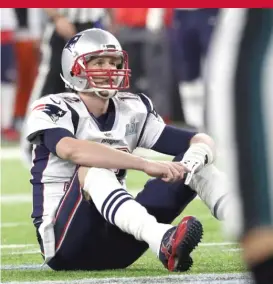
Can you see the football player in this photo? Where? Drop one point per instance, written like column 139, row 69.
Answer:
column 243, row 128
column 83, row 144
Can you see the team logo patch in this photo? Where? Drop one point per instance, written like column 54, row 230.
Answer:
column 71, row 43
column 54, row 112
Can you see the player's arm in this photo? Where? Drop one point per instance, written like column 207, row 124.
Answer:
column 198, row 148
column 93, row 154
column 174, row 140
column 52, row 123
column 112, row 25
column 62, row 142
column 63, row 26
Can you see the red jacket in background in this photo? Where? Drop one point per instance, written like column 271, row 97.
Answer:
column 136, row 17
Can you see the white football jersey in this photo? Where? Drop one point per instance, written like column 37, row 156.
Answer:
column 131, row 123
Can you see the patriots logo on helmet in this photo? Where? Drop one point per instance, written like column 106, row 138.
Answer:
column 71, row 43
column 54, row 112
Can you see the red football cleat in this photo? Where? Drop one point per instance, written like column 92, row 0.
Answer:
column 178, row 242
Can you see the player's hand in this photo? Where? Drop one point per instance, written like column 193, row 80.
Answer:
column 197, row 156
column 64, row 28
column 193, row 166
column 167, row 171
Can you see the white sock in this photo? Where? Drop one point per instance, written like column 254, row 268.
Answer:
column 192, row 97
column 211, row 186
column 118, row 207
column 7, row 104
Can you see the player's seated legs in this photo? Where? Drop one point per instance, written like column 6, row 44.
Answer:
column 166, row 201
column 120, row 209
column 211, row 186
column 84, row 240
column 79, row 232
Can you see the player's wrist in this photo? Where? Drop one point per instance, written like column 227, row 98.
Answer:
column 142, row 164
column 200, row 150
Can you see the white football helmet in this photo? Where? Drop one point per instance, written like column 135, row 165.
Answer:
column 80, row 49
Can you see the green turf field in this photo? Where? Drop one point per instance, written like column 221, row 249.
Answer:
column 18, row 242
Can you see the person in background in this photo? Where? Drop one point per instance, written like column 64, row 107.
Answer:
column 27, row 42
column 192, row 29
column 8, row 74
column 143, row 34
column 240, row 100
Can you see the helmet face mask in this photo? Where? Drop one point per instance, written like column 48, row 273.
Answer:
column 118, row 79
column 82, row 49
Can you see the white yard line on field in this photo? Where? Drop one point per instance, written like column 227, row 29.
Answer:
column 16, row 198
column 10, row 153
column 227, row 278
column 13, row 224
column 12, row 246
column 33, row 251
column 217, row 244
column 234, row 250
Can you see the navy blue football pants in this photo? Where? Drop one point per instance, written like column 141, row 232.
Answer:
column 86, row 241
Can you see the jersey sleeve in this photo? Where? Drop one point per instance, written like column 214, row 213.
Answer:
column 153, row 126
column 48, row 113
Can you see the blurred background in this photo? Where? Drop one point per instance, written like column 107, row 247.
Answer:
column 167, row 54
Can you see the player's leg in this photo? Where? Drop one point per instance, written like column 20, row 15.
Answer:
column 206, row 24
column 211, row 186
column 119, row 208
column 79, row 232
column 245, row 51
column 166, row 201
column 253, row 92
column 84, row 240
column 186, row 47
